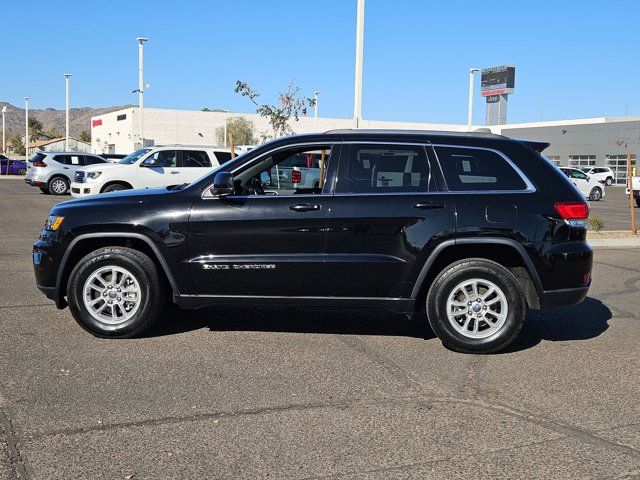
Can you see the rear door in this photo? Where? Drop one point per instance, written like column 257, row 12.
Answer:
column 193, row 164
column 388, row 213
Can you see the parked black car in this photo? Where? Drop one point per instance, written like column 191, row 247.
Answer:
column 476, row 227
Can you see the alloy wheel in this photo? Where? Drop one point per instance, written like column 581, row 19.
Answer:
column 112, row 295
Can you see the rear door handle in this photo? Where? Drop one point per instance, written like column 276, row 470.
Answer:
column 304, row 207
column 428, row 205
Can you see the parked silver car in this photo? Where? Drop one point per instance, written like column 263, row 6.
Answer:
column 53, row 172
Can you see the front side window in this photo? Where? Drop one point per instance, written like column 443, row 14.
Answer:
column 471, row 169
column 164, row 158
column 90, row 160
column 291, row 171
column 578, row 174
column 195, row 158
column 388, row 168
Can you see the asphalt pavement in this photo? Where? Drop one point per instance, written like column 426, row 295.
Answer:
column 276, row 393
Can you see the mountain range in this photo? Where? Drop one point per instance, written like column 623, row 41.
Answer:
column 79, row 119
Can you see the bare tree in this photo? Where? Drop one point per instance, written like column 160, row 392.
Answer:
column 290, row 105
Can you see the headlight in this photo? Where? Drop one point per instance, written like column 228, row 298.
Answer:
column 53, row 223
column 93, row 175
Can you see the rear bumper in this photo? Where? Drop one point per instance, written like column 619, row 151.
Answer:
column 563, row 297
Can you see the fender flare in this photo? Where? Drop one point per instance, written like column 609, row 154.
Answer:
column 139, row 236
column 533, row 273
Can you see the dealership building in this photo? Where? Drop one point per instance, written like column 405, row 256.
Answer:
column 579, row 143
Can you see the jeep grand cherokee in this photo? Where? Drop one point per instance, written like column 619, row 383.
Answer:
column 475, row 227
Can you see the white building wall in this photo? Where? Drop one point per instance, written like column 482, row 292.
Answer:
column 193, row 127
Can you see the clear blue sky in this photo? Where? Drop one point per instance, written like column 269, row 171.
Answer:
column 581, row 56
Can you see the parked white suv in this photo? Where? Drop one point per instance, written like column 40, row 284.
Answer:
column 588, row 186
column 150, row 167
column 601, row 174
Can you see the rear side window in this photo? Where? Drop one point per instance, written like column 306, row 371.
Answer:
column 471, row 169
column 193, row 158
column 388, row 168
column 223, row 157
column 69, row 159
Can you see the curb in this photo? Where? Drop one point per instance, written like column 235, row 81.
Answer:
column 615, row 242
column 11, row 177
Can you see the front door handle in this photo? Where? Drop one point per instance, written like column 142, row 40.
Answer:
column 304, row 207
column 174, row 172
column 428, row 205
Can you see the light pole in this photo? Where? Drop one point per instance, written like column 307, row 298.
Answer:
column 26, row 127
column 316, row 94
column 141, row 41
column 472, row 75
column 357, row 102
column 4, row 140
column 66, row 117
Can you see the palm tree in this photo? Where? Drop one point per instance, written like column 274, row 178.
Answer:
column 35, row 127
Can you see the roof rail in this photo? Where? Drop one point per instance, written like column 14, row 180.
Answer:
column 476, row 133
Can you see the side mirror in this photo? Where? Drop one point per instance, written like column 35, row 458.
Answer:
column 222, row 184
column 149, row 162
column 265, row 178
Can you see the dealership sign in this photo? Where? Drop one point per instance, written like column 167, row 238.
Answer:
column 96, row 123
column 498, row 80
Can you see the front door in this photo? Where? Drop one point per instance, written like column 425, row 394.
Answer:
column 193, row 164
column 159, row 170
column 262, row 241
column 388, row 213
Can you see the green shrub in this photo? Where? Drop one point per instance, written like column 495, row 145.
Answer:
column 596, row 223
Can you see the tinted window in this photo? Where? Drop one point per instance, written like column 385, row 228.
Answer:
column 90, row 160
column 37, row 157
column 467, row 169
column 388, row 168
column 223, row 157
column 577, row 174
column 69, row 159
column 192, row 158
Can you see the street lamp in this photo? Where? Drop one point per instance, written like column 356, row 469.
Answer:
column 141, row 85
column 316, row 94
column 357, row 102
column 472, row 74
column 26, row 127
column 4, row 140
column 66, row 118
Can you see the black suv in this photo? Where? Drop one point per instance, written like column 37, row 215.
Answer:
column 474, row 226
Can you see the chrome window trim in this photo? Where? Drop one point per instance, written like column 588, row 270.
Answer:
column 267, row 153
column 529, row 186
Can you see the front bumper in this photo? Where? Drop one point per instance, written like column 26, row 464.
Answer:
column 47, row 253
column 79, row 190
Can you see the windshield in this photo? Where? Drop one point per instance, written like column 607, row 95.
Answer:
column 133, row 157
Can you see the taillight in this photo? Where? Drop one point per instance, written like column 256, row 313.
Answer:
column 296, row 176
column 573, row 210
column 39, row 163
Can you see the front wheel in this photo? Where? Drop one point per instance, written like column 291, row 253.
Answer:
column 476, row 306
column 115, row 292
column 595, row 195
column 116, row 187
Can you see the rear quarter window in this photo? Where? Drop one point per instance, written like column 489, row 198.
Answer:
column 475, row 169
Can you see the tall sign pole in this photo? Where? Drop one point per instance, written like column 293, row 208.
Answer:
column 4, row 140
column 141, row 41
column 66, row 117
column 634, row 230
column 26, row 127
column 357, row 103
column 472, row 76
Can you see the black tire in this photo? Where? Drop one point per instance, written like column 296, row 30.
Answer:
column 145, row 272
column 22, row 172
column 44, row 190
column 596, row 194
column 638, row 202
column 485, row 270
column 608, row 182
column 115, row 187
column 58, row 186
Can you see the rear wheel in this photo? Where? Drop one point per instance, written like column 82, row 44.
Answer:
column 596, row 194
column 476, row 306
column 115, row 187
column 22, row 172
column 115, row 292
column 608, row 182
column 58, row 186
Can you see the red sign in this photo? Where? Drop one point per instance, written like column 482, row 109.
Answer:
column 96, row 123
column 495, row 91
